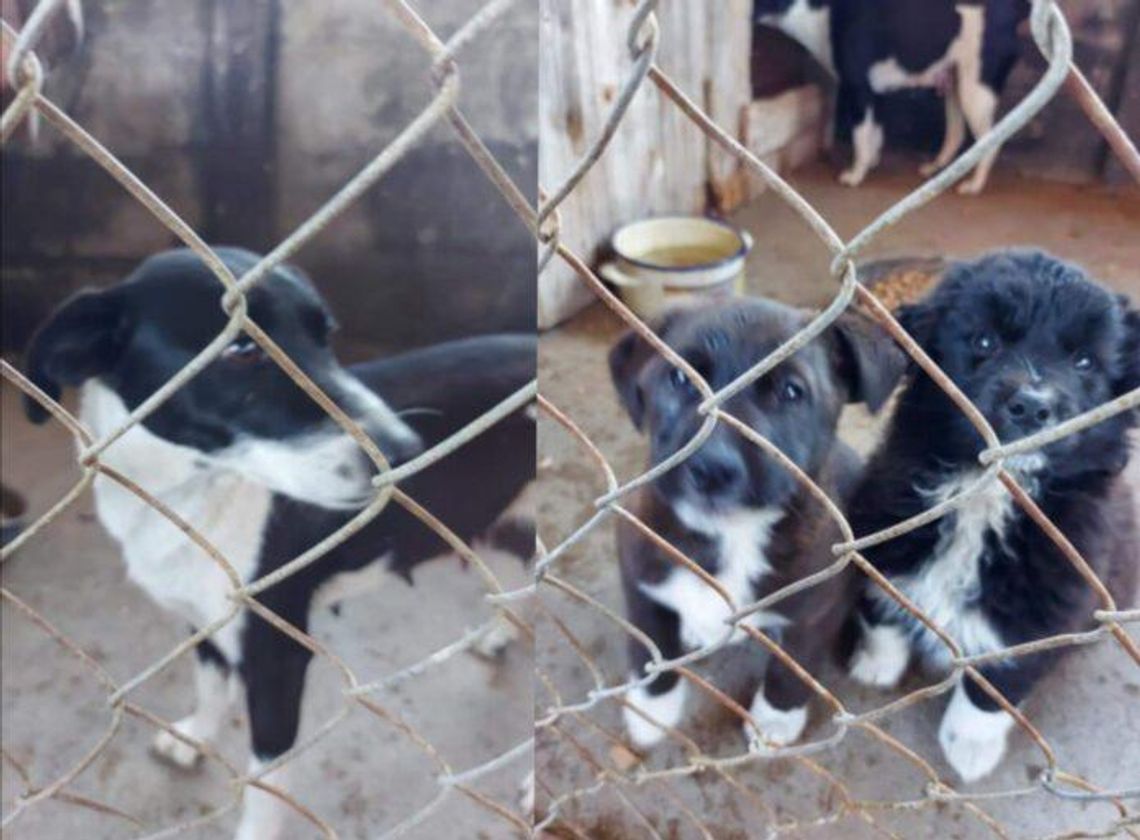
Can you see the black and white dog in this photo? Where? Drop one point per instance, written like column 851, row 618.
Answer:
column 1031, row 341
column 964, row 49
column 248, row 459
column 733, row 510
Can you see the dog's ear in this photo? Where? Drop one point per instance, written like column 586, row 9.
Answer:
column 1129, row 377
column 866, row 359
column 82, row 339
column 315, row 316
column 919, row 320
column 627, row 358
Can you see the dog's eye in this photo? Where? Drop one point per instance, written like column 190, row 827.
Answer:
column 242, row 349
column 680, row 381
column 792, row 391
column 1082, row 361
column 985, row 343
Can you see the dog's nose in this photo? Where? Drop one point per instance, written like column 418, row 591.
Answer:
column 716, row 473
column 1030, row 409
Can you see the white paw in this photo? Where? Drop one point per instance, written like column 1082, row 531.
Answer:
column 179, row 753
column 881, row 658
column 971, row 755
column 252, row 828
column 492, row 644
column 526, row 795
column 930, row 168
column 971, row 187
column 772, row 727
column 665, row 709
column 851, row 177
column 264, row 816
column 972, row 740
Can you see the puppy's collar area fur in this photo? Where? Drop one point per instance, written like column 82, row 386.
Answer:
column 717, row 525
column 325, row 468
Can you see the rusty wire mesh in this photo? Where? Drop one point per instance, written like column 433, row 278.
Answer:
column 564, row 724
column 27, row 77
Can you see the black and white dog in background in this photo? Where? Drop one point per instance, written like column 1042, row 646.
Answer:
column 248, row 459
column 964, row 49
column 1031, row 341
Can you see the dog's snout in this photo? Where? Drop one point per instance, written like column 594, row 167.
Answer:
column 716, row 472
column 1030, row 409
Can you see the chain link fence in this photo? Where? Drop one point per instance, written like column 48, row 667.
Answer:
column 367, row 692
column 570, row 729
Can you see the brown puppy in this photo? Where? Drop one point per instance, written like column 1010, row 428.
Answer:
column 730, row 508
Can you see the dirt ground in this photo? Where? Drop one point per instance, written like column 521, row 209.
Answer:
column 363, row 778
column 1087, row 708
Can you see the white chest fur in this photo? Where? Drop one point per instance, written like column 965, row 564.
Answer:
column 947, row 586
column 742, row 539
column 228, row 510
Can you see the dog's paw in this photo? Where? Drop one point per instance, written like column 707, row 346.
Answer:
column 526, row 795
column 972, row 740
column 881, row 657
column 493, row 643
column 931, row 167
column 972, row 755
column 971, row 187
column 173, row 751
column 665, row 709
column 771, row 727
column 851, row 177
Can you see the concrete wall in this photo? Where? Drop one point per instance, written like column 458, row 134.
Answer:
column 245, row 117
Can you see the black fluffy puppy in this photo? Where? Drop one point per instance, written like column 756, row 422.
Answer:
column 1032, row 341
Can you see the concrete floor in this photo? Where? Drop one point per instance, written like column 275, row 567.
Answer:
column 1087, row 708
column 364, row 778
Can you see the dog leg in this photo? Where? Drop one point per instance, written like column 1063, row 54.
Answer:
column 773, row 727
column 780, row 708
column 657, row 708
column 514, row 534
column 263, row 815
column 661, row 703
column 980, row 106
column 953, row 137
column 974, row 727
column 867, row 138
column 494, row 642
column 274, row 669
column 973, row 739
column 526, row 796
column 212, row 678
column 882, row 654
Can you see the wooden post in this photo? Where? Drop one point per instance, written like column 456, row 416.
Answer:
column 658, row 162
column 237, row 158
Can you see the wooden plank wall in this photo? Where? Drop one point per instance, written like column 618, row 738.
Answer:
column 658, row 162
